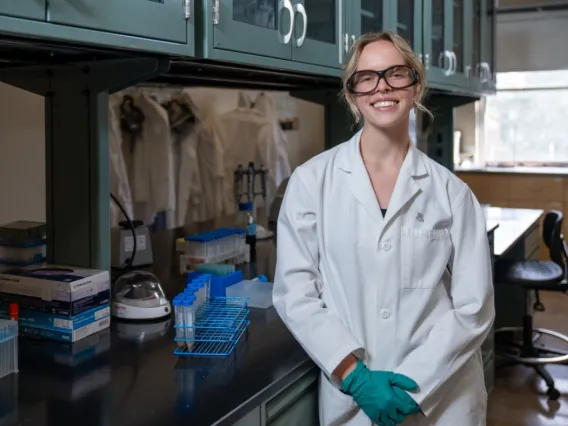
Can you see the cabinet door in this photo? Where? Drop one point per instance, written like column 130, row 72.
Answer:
column 31, row 9
column 437, row 56
column 262, row 27
column 459, row 31
column 369, row 16
column 406, row 16
column 477, row 40
column 488, row 48
column 155, row 19
column 317, row 35
column 365, row 16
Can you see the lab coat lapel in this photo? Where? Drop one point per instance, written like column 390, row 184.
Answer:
column 407, row 186
column 359, row 181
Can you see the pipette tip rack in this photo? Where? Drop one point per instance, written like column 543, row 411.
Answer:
column 219, row 324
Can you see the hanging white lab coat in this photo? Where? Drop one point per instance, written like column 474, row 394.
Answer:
column 153, row 182
column 350, row 281
column 199, row 169
column 119, row 183
column 247, row 136
column 276, row 154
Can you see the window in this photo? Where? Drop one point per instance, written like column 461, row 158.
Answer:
column 526, row 122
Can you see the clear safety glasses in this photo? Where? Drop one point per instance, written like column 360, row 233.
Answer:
column 397, row 77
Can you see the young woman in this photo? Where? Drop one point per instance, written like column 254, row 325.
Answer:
column 383, row 266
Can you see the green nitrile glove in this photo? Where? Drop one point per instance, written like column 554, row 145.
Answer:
column 375, row 392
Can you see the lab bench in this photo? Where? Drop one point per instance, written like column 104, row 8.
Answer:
column 128, row 375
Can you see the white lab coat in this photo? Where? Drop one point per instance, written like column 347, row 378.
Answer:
column 119, row 183
column 276, row 154
column 153, row 182
column 199, row 169
column 247, row 135
column 350, row 281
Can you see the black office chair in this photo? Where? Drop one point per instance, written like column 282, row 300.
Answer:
column 534, row 275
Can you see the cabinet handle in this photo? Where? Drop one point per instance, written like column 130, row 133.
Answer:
column 287, row 4
column 467, row 71
column 488, row 69
column 442, row 62
column 353, row 40
column 454, row 61
column 299, row 8
column 427, row 61
column 187, row 8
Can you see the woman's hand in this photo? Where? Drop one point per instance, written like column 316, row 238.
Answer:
column 375, row 393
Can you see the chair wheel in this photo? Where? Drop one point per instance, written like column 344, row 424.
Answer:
column 539, row 307
column 553, row 394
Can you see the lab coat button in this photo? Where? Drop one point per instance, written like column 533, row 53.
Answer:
column 386, row 246
column 385, row 313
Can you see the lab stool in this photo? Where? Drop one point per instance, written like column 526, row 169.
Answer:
column 533, row 276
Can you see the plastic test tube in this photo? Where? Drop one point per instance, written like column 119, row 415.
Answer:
column 189, row 313
column 179, row 318
column 200, row 291
column 207, row 280
column 193, row 290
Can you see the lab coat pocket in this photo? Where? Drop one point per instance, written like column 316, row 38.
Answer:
column 335, row 407
column 425, row 254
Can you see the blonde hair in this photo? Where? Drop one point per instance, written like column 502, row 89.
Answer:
column 410, row 58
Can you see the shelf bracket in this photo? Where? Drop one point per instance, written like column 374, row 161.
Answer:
column 77, row 150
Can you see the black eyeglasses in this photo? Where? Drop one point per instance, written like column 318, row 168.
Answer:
column 397, row 77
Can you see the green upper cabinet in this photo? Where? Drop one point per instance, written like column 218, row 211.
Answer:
column 447, row 45
column 477, row 41
column 483, row 37
column 364, row 16
column 367, row 16
column 303, row 31
column 317, row 33
column 488, row 52
column 165, row 20
column 406, row 18
column 31, row 9
column 260, row 28
column 436, row 42
column 459, row 19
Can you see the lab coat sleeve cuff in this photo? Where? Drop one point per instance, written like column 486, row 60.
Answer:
column 347, row 347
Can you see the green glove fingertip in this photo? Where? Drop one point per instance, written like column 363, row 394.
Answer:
column 404, row 382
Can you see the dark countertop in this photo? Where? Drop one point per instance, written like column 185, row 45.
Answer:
column 128, row 375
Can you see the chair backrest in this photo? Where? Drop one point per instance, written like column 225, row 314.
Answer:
column 554, row 238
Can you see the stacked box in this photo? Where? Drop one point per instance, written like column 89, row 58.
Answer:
column 22, row 243
column 57, row 302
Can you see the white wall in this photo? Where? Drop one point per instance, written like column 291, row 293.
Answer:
column 22, row 155
column 22, row 144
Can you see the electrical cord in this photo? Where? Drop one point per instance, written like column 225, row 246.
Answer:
column 129, row 261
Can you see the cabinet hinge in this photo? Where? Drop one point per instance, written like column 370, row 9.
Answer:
column 187, row 8
column 215, row 12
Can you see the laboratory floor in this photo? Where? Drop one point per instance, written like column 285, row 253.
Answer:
column 519, row 398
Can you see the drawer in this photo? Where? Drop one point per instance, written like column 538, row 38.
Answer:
column 532, row 242
column 282, row 402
